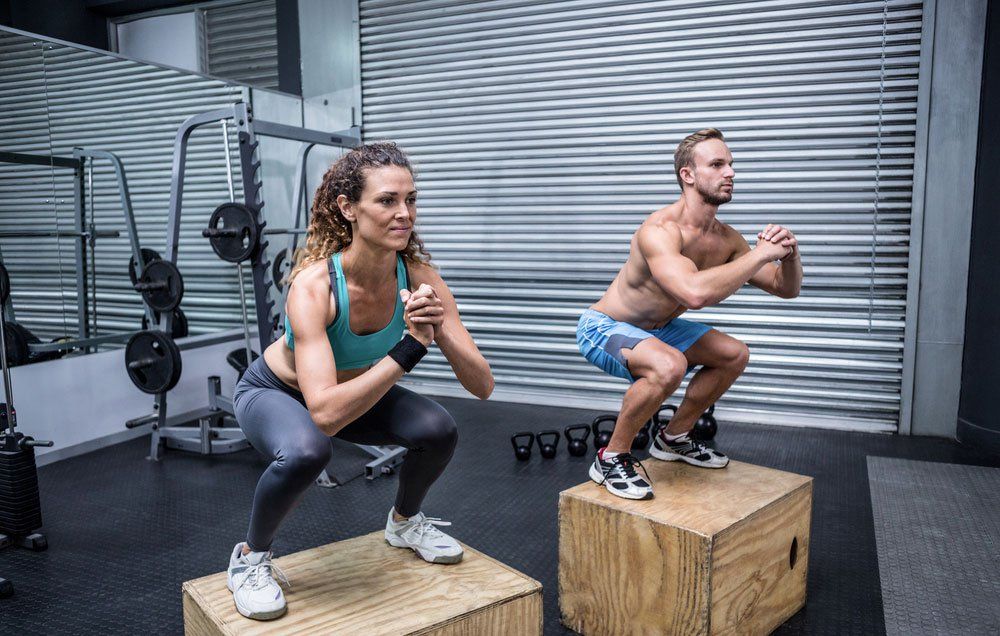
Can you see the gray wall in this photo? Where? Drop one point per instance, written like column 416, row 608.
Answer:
column 167, row 39
column 950, row 78
column 331, row 74
column 331, row 64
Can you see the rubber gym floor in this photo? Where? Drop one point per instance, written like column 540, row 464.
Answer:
column 124, row 532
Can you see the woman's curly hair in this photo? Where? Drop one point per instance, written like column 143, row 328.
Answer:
column 329, row 232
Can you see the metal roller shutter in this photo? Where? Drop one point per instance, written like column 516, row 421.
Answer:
column 133, row 110
column 241, row 42
column 543, row 135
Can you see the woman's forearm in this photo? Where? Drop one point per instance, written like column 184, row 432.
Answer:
column 345, row 402
column 469, row 365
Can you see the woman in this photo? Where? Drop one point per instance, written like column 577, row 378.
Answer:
column 335, row 371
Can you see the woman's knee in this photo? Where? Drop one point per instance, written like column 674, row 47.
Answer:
column 434, row 430
column 306, row 456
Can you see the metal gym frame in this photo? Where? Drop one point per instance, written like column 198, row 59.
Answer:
column 86, row 236
column 219, row 412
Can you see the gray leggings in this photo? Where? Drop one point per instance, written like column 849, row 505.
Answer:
column 276, row 422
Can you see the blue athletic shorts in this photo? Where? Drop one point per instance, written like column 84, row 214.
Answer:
column 601, row 339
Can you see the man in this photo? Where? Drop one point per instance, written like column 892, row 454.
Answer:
column 682, row 257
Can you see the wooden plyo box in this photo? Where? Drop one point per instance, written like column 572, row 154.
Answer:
column 721, row 551
column 364, row 586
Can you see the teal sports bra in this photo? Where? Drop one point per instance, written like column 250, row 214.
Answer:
column 350, row 350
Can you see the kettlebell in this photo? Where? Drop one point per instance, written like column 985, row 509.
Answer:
column 577, row 446
column 711, row 410
column 661, row 418
column 548, row 448
column 705, row 428
column 641, row 441
column 522, row 451
column 602, row 437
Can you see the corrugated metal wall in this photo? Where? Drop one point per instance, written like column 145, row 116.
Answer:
column 543, row 134
column 133, row 110
column 241, row 42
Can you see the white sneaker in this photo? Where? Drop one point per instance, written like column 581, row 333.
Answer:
column 687, row 450
column 251, row 580
column 619, row 476
column 419, row 534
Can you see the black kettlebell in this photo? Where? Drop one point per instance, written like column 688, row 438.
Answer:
column 641, row 441
column 577, row 446
column 705, row 428
column 711, row 410
column 661, row 418
column 522, row 451
column 602, row 437
column 548, row 448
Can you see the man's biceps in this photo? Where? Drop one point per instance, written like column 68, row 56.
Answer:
column 669, row 280
column 678, row 265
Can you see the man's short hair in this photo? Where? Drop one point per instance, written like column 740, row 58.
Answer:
column 684, row 155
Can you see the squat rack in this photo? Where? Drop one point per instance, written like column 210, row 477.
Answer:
column 85, row 235
column 248, row 129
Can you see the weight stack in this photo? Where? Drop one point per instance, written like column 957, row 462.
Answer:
column 20, row 507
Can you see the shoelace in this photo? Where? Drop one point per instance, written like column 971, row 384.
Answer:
column 424, row 527
column 257, row 575
column 625, row 464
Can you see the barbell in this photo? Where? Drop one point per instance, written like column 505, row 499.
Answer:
column 234, row 232
column 58, row 234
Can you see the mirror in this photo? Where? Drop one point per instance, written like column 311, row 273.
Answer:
column 88, row 142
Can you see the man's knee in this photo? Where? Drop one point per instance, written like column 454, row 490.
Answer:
column 668, row 370
column 739, row 356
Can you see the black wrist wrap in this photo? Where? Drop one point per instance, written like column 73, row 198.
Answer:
column 407, row 352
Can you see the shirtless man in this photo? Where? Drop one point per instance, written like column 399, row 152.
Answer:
column 682, row 257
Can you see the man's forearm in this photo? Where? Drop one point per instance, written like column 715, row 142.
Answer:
column 789, row 276
column 715, row 284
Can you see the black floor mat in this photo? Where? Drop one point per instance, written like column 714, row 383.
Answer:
column 937, row 528
column 124, row 533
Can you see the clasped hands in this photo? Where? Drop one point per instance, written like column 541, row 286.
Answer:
column 779, row 240
column 423, row 312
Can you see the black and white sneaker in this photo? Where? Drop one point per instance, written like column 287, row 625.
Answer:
column 688, row 450
column 618, row 475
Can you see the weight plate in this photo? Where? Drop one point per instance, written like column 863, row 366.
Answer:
column 148, row 256
column 153, row 361
column 4, row 284
column 16, row 342
column 168, row 286
column 179, row 329
column 280, row 268
column 241, row 222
